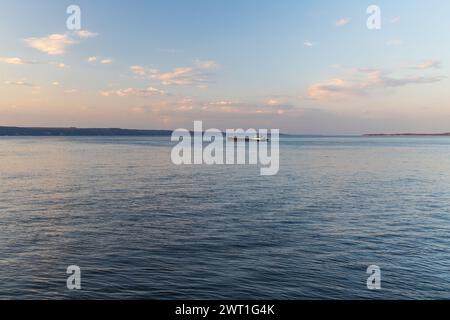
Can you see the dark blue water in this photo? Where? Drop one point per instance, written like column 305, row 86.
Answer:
column 140, row 227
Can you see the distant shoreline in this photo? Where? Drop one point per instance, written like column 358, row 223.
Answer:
column 446, row 134
column 74, row 132
column 7, row 131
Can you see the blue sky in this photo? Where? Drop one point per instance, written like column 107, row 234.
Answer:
column 300, row 66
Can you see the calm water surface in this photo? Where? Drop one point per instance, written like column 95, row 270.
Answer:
column 140, row 227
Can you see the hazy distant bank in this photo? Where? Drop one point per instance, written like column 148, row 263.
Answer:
column 19, row 131
column 44, row 131
column 73, row 131
column 446, row 134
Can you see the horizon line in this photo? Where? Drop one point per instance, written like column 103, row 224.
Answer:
column 223, row 131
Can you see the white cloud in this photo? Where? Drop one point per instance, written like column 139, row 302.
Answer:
column 221, row 108
column 342, row 22
column 308, row 44
column 58, row 64
column 427, row 64
column 106, row 61
column 147, row 92
column 85, row 34
column 222, row 103
column 94, row 59
column 19, row 83
column 270, row 107
column 273, row 102
column 15, row 60
column 179, row 76
column 20, row 61
column 57, row 44
column 54, row 44
column 139, row 70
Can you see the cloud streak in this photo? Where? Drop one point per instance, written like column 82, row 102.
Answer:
column 85, row 34
column 197, row 74
column 137, row 92
column 19, row 83
column 364, row 82
column 427, row 64
column 16, row 61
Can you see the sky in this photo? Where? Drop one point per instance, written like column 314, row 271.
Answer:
column 306, row 67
